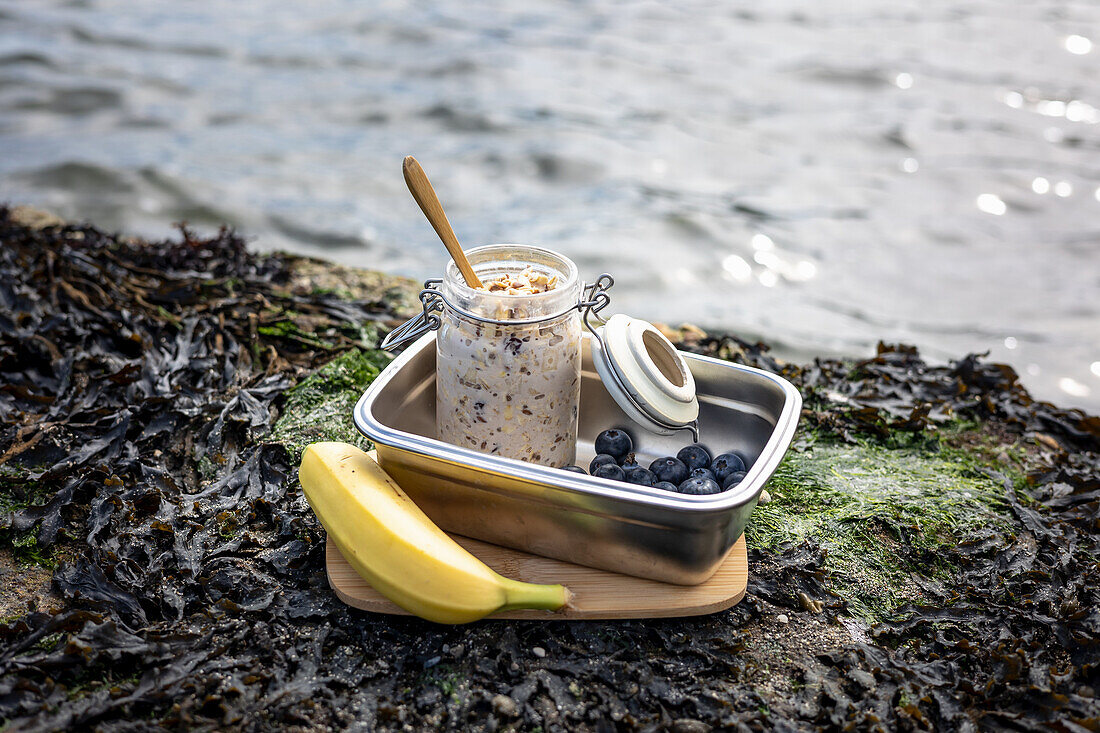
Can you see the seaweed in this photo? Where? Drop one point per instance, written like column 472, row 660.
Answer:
column 928, row 559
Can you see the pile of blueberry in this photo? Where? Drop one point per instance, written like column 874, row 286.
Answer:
column 692, row 471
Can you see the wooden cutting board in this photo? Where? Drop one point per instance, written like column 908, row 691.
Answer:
column 597, row 594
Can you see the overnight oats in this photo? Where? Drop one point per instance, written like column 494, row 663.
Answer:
column 511, row 389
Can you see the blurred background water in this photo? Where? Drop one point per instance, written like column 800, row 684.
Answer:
column 819, row 174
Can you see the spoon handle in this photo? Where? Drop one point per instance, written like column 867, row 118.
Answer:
column 422, row 191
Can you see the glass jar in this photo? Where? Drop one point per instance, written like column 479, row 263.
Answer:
column 510, row 389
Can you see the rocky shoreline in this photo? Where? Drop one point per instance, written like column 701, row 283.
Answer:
column 927, row 559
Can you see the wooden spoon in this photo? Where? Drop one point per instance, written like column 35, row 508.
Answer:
column 422, row 191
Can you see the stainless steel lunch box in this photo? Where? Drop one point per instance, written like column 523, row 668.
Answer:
column 641, row 531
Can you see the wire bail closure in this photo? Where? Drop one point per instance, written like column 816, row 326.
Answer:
column 594, row 299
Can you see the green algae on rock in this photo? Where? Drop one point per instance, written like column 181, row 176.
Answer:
column 320, row 406
column 881, row 514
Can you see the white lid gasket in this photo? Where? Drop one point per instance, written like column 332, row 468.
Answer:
column 645, row 374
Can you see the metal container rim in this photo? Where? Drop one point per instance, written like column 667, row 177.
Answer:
column 749, row 488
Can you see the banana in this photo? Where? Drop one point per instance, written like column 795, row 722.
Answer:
column 396, row 548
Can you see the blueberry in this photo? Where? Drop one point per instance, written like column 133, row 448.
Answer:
column 733, row 479
column 699, row 485
column 599, row 460
column 669, row 469
column 628, row 462
column 611, row 471
column 614, row 443
column 703, row 473
column 574, row 469
column 665, row 485
column 694, row 456
column 726, row 464
column 640, row 476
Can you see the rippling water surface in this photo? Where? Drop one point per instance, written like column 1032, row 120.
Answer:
column 820, row 174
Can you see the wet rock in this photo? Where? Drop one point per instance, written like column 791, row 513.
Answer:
column 33, row 218
column 505, row 706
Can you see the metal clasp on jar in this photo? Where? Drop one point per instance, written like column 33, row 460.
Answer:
column 594, row 299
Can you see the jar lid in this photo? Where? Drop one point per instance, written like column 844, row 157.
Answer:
column 645, row 375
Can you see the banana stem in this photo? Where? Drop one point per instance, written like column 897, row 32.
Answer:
column 518, row 594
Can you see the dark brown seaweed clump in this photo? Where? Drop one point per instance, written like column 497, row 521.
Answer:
column 140, row 387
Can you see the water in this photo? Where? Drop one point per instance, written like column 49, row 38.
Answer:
column 818, row 174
